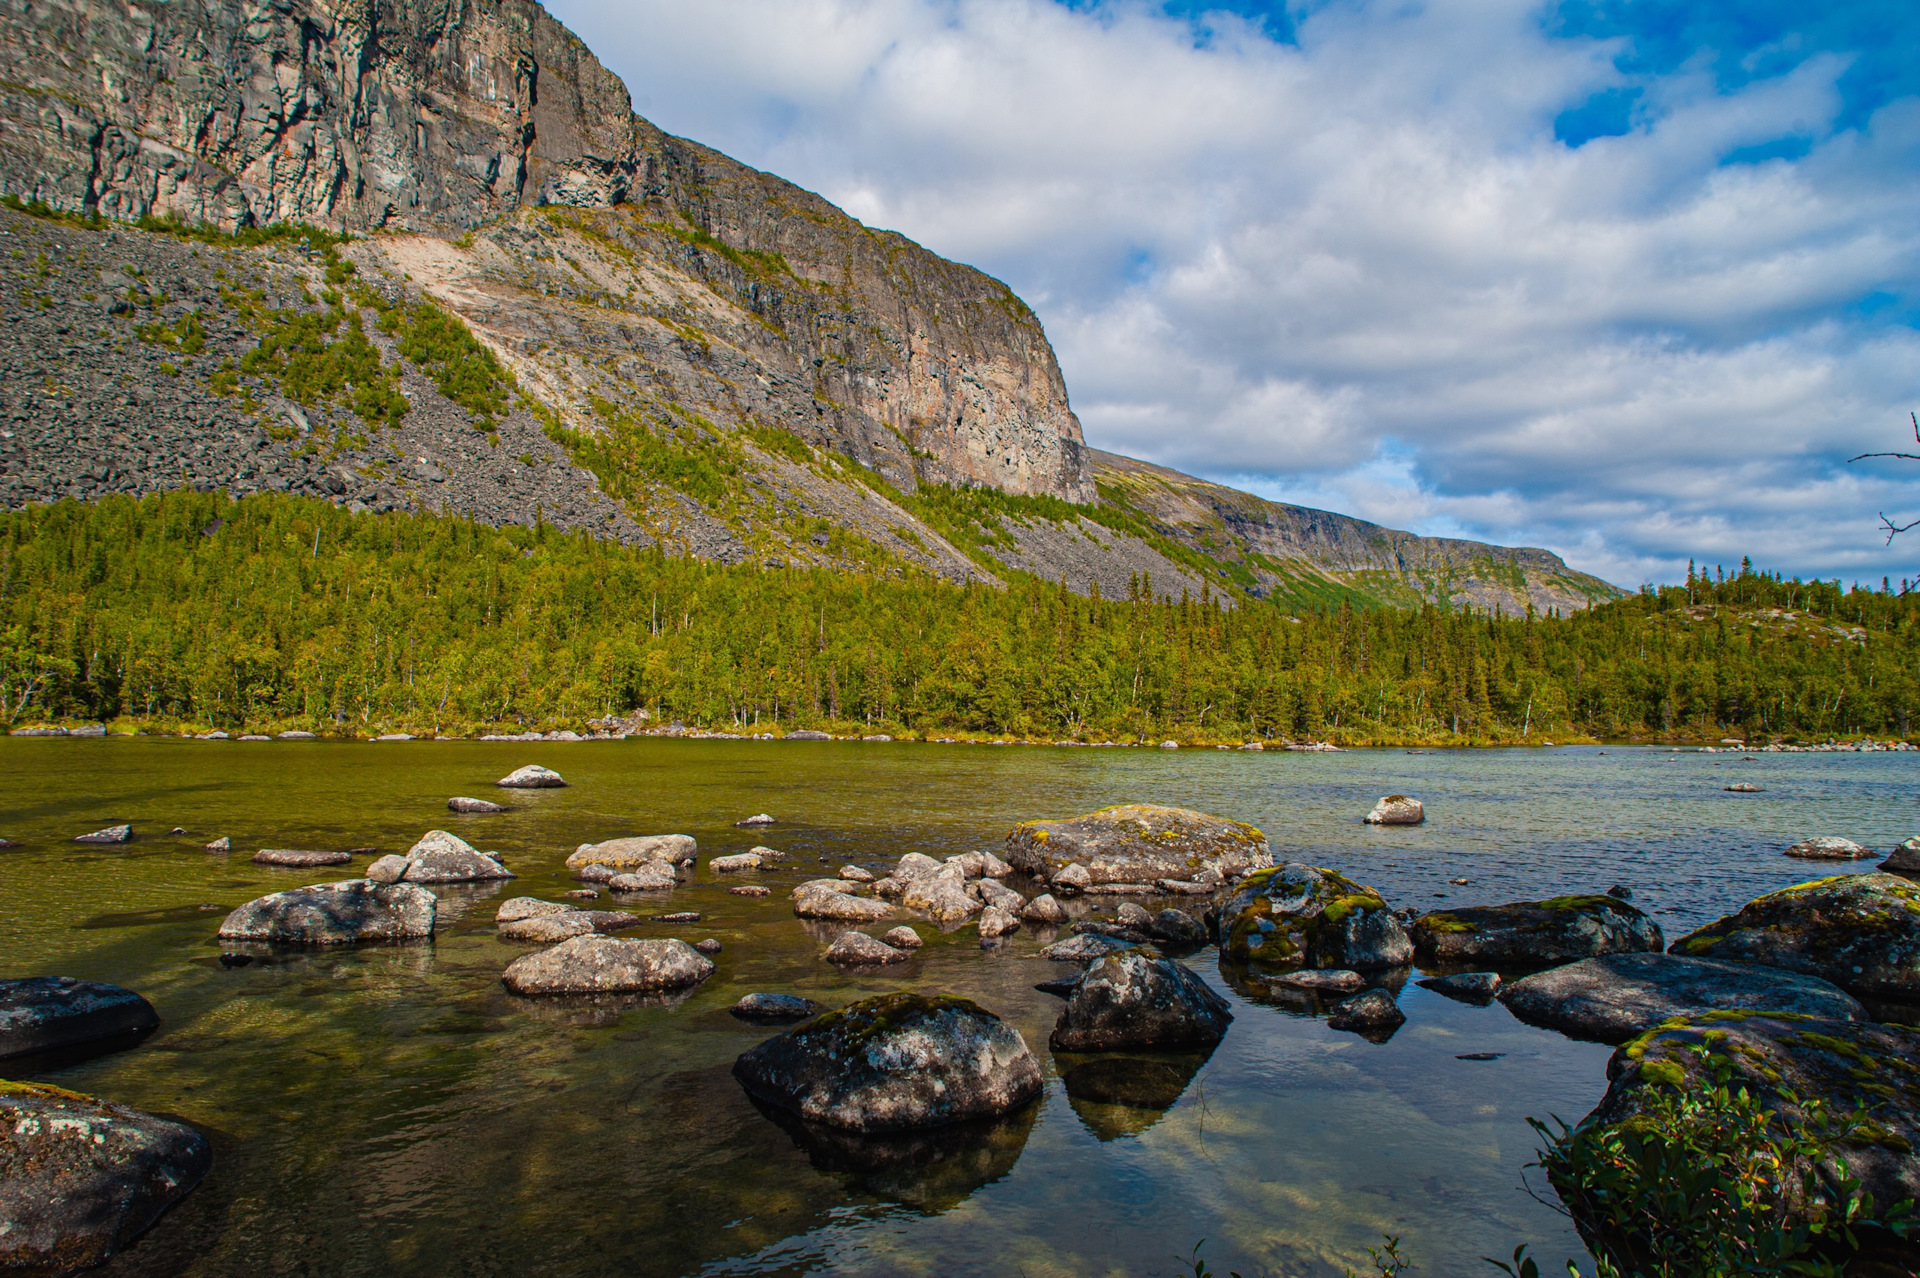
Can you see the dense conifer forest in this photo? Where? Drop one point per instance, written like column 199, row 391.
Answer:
column 193, row 611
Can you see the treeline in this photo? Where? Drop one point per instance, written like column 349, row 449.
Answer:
column 277, row 612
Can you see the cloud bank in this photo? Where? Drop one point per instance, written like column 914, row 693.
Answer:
column 1472, row 267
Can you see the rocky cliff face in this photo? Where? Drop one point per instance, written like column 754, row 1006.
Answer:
column 439, row 118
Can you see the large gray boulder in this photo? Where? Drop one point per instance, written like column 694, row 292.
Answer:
column 1563, row 929
column 1137, row 843
column 1396, row 809
column 1611, row 999
column 47, row 1013
column 608, row 965
column 897, row 1062
column 1132, row 1000
column 532, row 777
column 857, row 949
column 82, row 1178
column 343, row 913
column 636, row 851
column 1859, row 931
column 942, row 895
column 1295, row 915
column 840, row 907
column 440, row 857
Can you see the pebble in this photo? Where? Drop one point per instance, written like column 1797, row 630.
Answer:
column 707, row 946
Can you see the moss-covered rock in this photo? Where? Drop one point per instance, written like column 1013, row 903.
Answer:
column 1866, row 1075
column 1860, row 931
column 1562, row 929
column 1138, row 843
column 1295, row 915
column 1132, row 1000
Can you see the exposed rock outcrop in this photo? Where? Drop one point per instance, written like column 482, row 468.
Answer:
column 1297, row 915
column 1138, row 843
column 1859, row 931
column 1560, row 930
column 1131, row 1000
column 1611, row 999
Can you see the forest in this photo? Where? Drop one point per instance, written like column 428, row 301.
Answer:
column 190, row 611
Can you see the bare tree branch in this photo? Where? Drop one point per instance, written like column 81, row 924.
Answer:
column 1893, row 529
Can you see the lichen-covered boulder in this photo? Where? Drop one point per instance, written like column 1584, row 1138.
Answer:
column 1859, row 931
column 840, row 907
column 738, row 863
column 775, row 1007
column 345, row 913
column 1563, row 929
column 1828, row 848
column 608, row 965
column 898, row 1062
column 1084, row 948
column 653, row 876
column 81, row 1178
column 1611, row 999
column 1787, row 1061
column 997, row 894
column 48, row 1013
column 547, row 929
column 300, row 858
column 440, row 857
column 527, row 907
column 532, row 777
column 1043, row 909
column 1374, row 1014
column 1137, row 843
column 857, row 949
column 996, row 922
column 474, row 806
column 631, row 853
column 1130, row 1000
column 942, row 895
column 1295, row 915
column 1396, row 809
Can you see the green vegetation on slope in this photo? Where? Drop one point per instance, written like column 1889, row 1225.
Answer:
column 280, row 611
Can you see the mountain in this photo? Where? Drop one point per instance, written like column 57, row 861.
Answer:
column 652, row 340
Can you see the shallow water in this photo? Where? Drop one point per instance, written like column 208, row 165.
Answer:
column 394, row 1110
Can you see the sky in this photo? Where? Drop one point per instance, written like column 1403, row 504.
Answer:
column 1628, row 279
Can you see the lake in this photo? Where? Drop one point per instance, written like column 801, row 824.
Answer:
column 393, row 1110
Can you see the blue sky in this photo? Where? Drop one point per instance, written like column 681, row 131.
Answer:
column 1629, row 280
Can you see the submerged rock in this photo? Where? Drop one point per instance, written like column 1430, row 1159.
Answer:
column 857, row 949
column 632, row 853
column 476, row 806
column 299, row 858
column 1828, row 848
column 85, row 1177
column 1478, row 988
column 112, row 834
column 1611, row 999
column 342, row 913
column 607, row 965
column 1562, row 929
column 49, row 1013
column 1396, row 809
column 1859, row 931
column 753, row 890
column 897, row 1062
column 1374, row 1013
column 1132, row 1000
column 775, row 1007
column 532, row 777
column 1136, row 843
column 1298, row 915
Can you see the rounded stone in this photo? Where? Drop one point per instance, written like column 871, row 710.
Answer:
column 532, row 777
column 1611, row 999
column 607, row 965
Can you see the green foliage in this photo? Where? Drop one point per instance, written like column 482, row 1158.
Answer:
column 1705, row 1182
column 462, row 369
column 299, row 350
column 759, row 265
column 628, row 455
column 186, row 334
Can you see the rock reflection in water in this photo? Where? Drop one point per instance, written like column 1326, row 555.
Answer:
column 931, row 1171
column 1120, row 1096
column 1261, row 988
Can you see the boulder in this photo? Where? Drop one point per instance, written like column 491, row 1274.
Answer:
column 839, row 886
column 856, row 874
column 1478, row 988
column 1563, row 929
column 1073, row 880
column 767, row 855
column 112, row 834
column 1177, row 928
column 580, row 894
column 1787, row 1061
column 840, row 907
column 898, row 1062
column 708, row 946
column 976, row 865
column 387, row 869
column 808, row 734
column 439, row 841
column 754, row 890
column 531, row 777
column 616, row 920
column 735, row 864
column 995, row 921
column 454, row 867
column 631, row 853
column 857, row 949
column 299, row 858
column 221, row 844
column 993, row 892
column 1295, row 915
column 775, row 1007
column 607, row 965
column 902, row 938
column 1044, row 909
column 1083, row 949
column 596, row 873
column 1132, row 1000
column 527, row 907
column 1396, row 809
column 758, row 818
column 1129, row 915
column 547, row 929
column 475, row 806
column 942, row 895
column 651, row 876
column 914, row 865
column 1741, row 787
column 1905, row 860
column 1322, row 980
column 1859, row 931
column 50, row 1013
column 1137, row 843
column 1828, row 848
column 344, row 913
column 81, row 1178
column 1611, row 999
column 1372, row 1013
